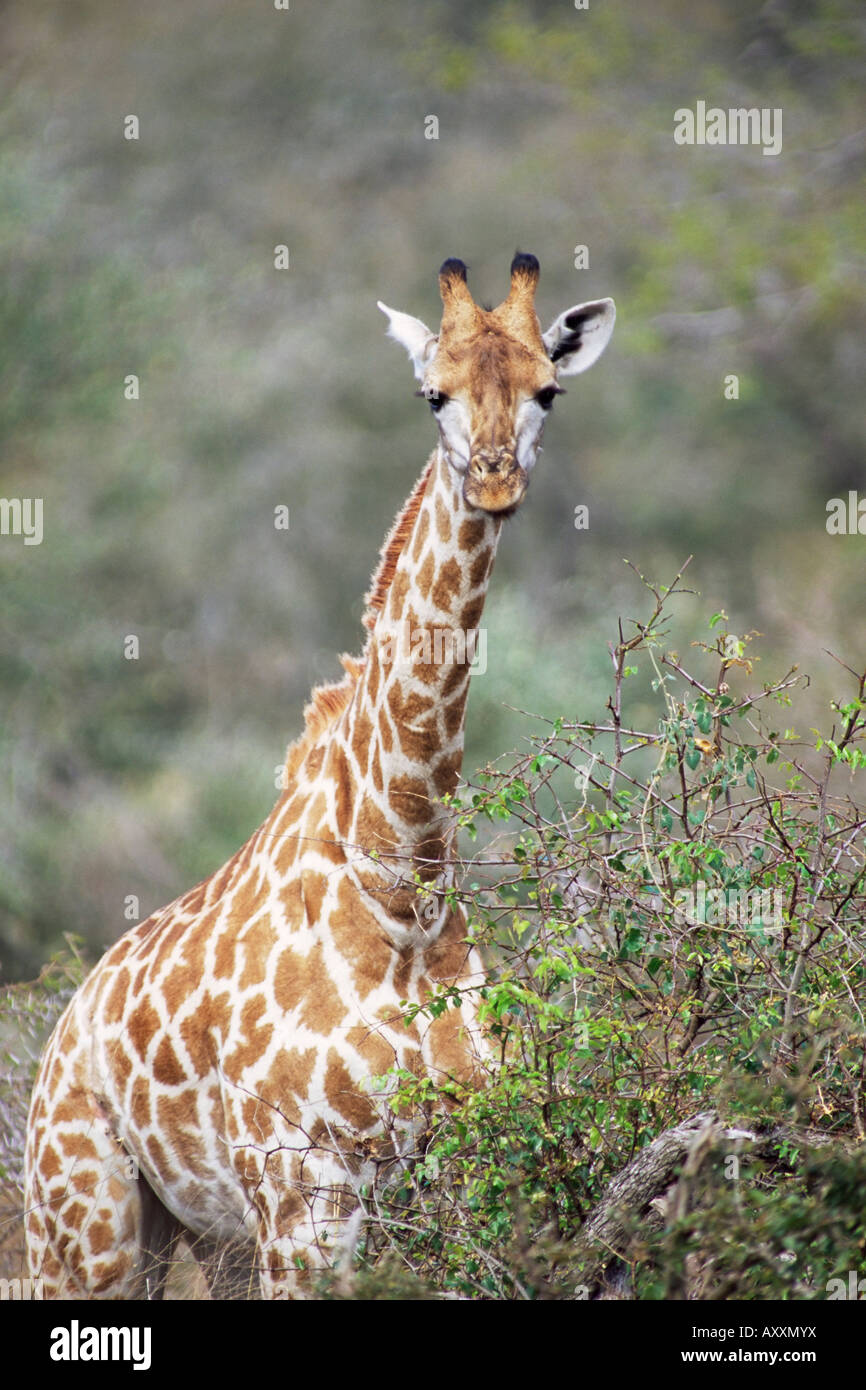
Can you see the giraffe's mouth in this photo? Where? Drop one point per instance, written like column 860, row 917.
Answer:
column 495, row 488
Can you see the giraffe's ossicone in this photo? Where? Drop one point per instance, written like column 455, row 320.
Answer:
column 211, row 1077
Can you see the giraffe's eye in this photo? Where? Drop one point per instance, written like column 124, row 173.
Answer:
column 546, row 397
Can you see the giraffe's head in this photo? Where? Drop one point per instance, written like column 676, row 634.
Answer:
column 491, row 376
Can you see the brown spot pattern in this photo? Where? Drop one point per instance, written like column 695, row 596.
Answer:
column 421, row 529
column 471, row 533
column 167, row 1069
column 447, row 585
column 443, row 521
column 424, row 578
column 344, row 1096
column 303, row 982
column 143, row 1023
column 409, row 798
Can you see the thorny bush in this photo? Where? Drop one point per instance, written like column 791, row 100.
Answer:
column 673, row 918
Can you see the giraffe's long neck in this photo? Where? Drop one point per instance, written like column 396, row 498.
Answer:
column 405, row 727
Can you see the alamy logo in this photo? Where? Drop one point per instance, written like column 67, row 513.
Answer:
column 21, row 1290
column 76, row 1343
column 399, row 645
column 738, row 126
column 846, row 520
column 855, row 1289
column 731, row 907
column 22, row 516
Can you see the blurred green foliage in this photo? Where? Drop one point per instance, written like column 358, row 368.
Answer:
column 261, row 388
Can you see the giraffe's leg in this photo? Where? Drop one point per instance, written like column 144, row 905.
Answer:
column 95, row 1228
column 160, row 1231
column 290, row 1250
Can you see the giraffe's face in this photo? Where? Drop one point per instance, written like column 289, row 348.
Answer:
column 490, row 395
column 491, row 377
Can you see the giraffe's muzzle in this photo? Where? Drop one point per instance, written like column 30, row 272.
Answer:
column 495, row 481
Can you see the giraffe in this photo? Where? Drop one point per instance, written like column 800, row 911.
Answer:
column 211, row 1077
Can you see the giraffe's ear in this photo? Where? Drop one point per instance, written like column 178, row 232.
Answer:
column 579, row 336
column 414, row 336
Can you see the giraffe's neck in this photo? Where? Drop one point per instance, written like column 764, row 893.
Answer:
column 404, row 730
